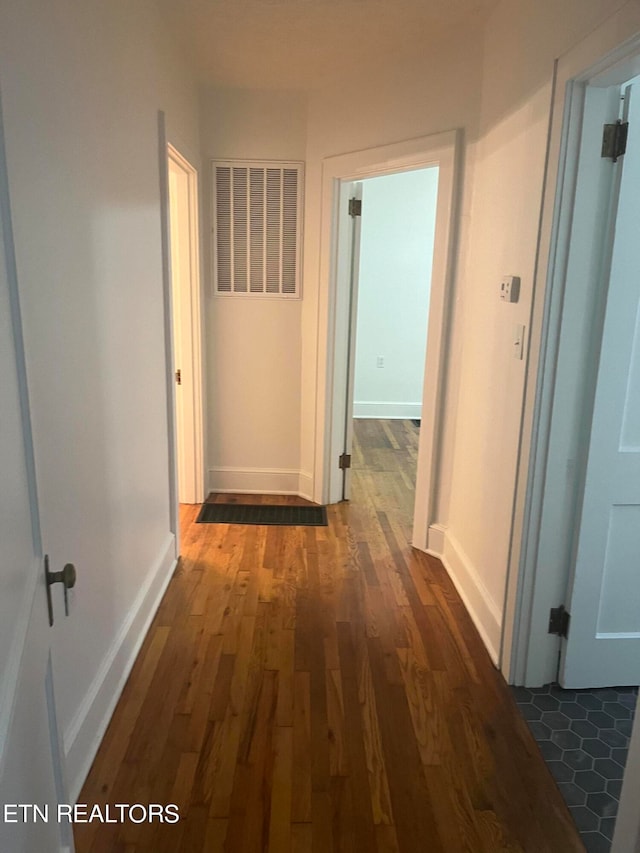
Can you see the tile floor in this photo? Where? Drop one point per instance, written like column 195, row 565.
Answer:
column 583, row 736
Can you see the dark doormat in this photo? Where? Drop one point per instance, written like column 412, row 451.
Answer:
column 286, row 516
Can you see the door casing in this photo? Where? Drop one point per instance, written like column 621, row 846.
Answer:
column 438, row 150
column 538, row 562
column 190, row 437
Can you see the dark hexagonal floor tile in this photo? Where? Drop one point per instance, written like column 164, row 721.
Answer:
column 595, row 843
column 578, row 759
column 556, row 720
column 606, row 694
column 566, row 739
column 539, row 730
column 573, row 710
column 589, row 701
column 607, row 826
column 563, row 773
column 521, row 695
column 530, row 712
column 562, row 694
column 596, row 748
column 618, row 711
column 628, row 699
column 613, row 737
column 537, row 691
column 614, row 786
column 600, row 719
column 620, row 755
column 608, row 768
column 549, row 750
column 546, row 702
column 590, row 782
column 584, row 818
column 623, row 726
column 602, row 804
column 573, row 796
column 584, row 728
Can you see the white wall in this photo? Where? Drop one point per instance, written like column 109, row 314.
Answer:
column 502, row 238
column 367, row 111
column 396, row 254
column 504, row 119
column 82, row 84
column 252, row 344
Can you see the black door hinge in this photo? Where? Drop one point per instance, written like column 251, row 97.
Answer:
column 614, row 140
column 344, row 461
column 559, row 621
column 355, row 207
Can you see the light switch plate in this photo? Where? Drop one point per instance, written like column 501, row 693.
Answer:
column 510, row 288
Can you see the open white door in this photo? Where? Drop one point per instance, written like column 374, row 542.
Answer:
column 183, row 216
column 603, row 646
column 348, row 260
column 30, row 754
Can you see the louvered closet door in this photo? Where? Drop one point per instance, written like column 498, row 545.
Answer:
column 257, row 217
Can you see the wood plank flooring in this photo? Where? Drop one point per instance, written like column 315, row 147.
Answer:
column 307, row 690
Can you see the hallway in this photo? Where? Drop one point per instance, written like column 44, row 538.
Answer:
column 319, row 689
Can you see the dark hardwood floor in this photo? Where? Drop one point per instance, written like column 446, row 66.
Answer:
column 322, row 689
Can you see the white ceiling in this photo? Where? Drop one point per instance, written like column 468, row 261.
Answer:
column 305, row 44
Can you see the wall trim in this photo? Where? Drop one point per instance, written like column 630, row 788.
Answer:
column 305, row 485
column 86, row 730
column 435, row 538
column 387, row 411
column 485, row 614
column 255, row 481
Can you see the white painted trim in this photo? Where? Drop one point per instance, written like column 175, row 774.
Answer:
column 438, row 150
column 165, row 238
column 85, row 732
column 388, row 411
column 305, row 485
column 255, row 481
column 605, row 48
column 9, row 683
column 436, row 538
column 196, row 440
column 485, row 613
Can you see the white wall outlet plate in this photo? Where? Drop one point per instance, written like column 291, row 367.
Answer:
column 510, row 288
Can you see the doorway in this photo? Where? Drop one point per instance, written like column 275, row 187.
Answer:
column 336, row 314
column 187, row 336
column 392, row 258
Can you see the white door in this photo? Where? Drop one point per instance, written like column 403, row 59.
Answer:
column 30, row 763
column 603, row 647
column 347, row 259
column 186, row 327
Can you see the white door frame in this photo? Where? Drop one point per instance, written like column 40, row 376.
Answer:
column 165, row 233
column 595, row 61
column 438, row 150
column 192, row 440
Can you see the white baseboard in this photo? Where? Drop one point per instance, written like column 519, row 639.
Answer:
column 255, row 481
column 83, row 737
column 305, row 485
column 485, row 614
column 388, row 411
column 436, row 538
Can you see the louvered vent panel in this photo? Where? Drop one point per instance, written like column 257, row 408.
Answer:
column 223, row 228
column 257, row 225
column 240, row 265
column 289, row 229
